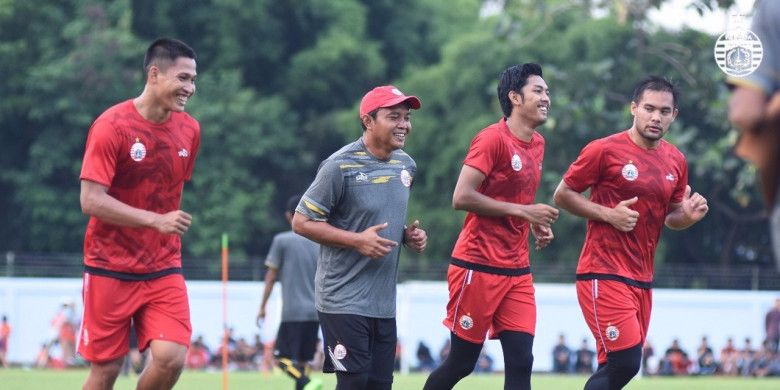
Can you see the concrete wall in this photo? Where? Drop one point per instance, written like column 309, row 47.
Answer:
column 30, row 304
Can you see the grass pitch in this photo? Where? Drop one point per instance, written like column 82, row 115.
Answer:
column 21, row 379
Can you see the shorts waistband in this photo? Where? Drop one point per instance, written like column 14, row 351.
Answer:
column 490, row 270
column 617, row 278
column 129, row 276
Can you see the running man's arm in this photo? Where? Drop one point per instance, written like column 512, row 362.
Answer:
column 270, row 279
column 467, row 198
column 684, row 214
column 96, row 202
column 621, row 217
column 367, row 242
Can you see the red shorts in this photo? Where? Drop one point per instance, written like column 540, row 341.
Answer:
column 159, row 308
column 617, row 314
column 482, row 303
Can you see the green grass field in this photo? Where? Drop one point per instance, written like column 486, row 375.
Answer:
column 19, row 379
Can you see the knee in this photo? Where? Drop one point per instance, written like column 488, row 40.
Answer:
column 627, row 368
column 522, row 361
column 459, row 368
column 625, row 363
column 170, row 361
column 107, row 371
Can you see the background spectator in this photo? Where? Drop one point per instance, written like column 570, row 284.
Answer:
column 728, row 358
column 649, row 361
column 772, row 324
column 675, row 360
column 198, row 356
column 425, row 362
column 745, row 358
column 705, row 358
column 64, row 325
column 484, row 363
column 5, row 334
column 585, row 358
column 561, row 356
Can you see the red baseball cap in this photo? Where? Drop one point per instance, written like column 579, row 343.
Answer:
column 386, row 96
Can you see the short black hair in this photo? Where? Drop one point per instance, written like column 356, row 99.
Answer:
column 514, row 78
column 655, row 83
column 292, row 203
column 165, row 51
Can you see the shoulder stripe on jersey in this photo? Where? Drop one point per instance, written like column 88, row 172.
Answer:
column 313, row 208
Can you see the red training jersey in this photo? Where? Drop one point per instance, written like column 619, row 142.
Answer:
column 144, row 165
column 616, row 169
column 512, row 169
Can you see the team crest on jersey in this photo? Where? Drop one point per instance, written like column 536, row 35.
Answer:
column 361, row 177
column 406, row 178
column 630, row 172
column 466, row 322
column 138, row 150
column 339, row 351
column 612, row 333
column 517, row 163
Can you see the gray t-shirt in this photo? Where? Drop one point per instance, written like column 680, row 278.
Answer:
column 353, row 191
column 296, row 259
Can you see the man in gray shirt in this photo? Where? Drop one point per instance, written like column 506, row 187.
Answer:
column 292, row 260
column 356, row 208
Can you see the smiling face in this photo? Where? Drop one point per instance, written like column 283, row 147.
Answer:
column 174, row 84
column 533, row 105
column 388, row 131
column 653, row 114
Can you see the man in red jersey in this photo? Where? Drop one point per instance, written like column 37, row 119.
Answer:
column 490, row 282
column 138, row 155
column 638, row 182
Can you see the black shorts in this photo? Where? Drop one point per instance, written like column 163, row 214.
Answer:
column 359, row 344
column 297, row 340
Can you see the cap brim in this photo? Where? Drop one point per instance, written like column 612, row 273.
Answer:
column 413, row 101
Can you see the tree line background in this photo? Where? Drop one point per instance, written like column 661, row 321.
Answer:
column 278, row 88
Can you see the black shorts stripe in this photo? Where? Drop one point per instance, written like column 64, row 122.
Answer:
column 131, row 277
column 490, row 270
column 617, row 278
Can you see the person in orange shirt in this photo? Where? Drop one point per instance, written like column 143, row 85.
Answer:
column 5, row 333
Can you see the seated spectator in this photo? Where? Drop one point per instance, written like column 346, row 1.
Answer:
column 728, row 359
column 584, row 359
column 675, row 360
column 706, row 358
column 649, row 361
column 484, row 363
column 445, row 350
column 43, row 357
column 243, row 354
column 745, row 358
column 761, row 365
column 425, row 362
column 198, row 356
column 561, row 356
column 398, row 352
